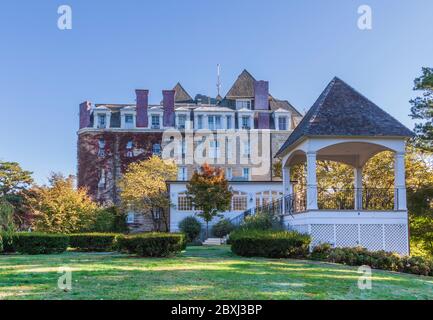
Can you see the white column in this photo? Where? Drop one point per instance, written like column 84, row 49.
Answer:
column 358, row 188
column 399, row 182
column 286, row 181
column 311, row 181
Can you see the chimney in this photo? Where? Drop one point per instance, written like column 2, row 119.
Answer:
column 142, row 104
column 261, row 102
column 85, row 109
column 168, row 104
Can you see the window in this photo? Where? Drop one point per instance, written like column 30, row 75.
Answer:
column 247, row 148
column 130, row 218
column 101, row 150
column 182, row 174
column 246, row 122
column 129, row 147
column 184, row 203
column 156, row 149
column 155, row 121
column 214, row 151
column 211, row 122
column 229, row 122
column 182, row 120
column 102, row 121
column 200, row 122
column 282, row 123
column 239, row 202
column 229, row 173
column 129, row 121
column 218, row 122
column 243, row 104
column 246, row 173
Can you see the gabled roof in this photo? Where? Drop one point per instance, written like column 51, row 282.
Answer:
column 243, row 86
column 276, row 104
column 181, row 95
column 342, row 111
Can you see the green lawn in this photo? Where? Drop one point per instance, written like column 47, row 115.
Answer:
column 198, row 273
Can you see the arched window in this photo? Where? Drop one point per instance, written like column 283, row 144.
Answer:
column 101, row 148
column 129, row 149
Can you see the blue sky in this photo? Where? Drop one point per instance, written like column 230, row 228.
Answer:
column 118, row 46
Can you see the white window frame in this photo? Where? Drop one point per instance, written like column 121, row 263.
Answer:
column 244, row 104
column 130, row 218
column 249, row 174
column 182, row 174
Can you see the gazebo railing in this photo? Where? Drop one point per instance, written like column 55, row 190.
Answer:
column 352, row 198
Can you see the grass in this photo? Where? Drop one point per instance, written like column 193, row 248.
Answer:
column 197, row 273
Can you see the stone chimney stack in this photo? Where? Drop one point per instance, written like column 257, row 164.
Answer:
column 168, row 104
column 261, row 102
column 142, row 105
column 85, row 109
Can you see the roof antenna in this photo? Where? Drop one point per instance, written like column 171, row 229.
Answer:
column 218, row 79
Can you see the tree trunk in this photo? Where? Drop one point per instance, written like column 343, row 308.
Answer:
column 207, row 229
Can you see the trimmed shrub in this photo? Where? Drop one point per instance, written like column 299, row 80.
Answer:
column 262, row 221
column 269, row 244
column 8, row 242
column 40, row 243
column 92, row 241
column 191, row 227
column 359, row 256
column 222, row 228
column 151, row 244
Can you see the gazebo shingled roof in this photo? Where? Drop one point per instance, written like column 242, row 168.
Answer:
column 342, row 111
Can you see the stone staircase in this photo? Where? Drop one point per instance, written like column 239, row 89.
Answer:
column 213, row 242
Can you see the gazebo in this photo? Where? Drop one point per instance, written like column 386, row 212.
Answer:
column 346, row 127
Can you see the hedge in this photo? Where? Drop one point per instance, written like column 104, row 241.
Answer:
column 269, row 244
column 40, row 243
column 8, row 242
column 152, row 244
column 376, row 259
column 91, row 242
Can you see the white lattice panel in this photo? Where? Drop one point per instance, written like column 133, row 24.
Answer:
column 322, row 233
column 371, row 236
column 346, row 235
column 396, row 238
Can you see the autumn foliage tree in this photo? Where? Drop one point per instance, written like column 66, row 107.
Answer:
column 209, row 192
column 60, row 208
column 143, row 188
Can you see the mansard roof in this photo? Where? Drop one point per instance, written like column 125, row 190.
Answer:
column 276, row 104
column 342, row 111
column 181, row 95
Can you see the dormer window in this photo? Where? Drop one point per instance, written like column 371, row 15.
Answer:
column 129, row 121
column 243, row 104
column 282, row 123
column 102, row 121
column 155, row 122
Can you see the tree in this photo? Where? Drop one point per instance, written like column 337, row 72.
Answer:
column 14, row 185
column 209, row 192
column 60, row 208
column 13, row 179
column 6, row 216
column 143, row 188
column 422, row 109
